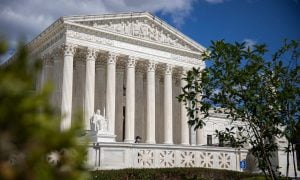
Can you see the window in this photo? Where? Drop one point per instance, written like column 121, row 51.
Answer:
column 209, row 140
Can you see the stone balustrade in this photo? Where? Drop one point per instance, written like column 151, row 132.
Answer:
column 126, row 155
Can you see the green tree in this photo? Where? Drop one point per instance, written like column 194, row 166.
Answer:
column 259, row 91
column 31, row 144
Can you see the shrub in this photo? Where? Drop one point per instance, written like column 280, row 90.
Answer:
column 173, row 173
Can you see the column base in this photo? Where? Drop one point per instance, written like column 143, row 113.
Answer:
column 150, row 142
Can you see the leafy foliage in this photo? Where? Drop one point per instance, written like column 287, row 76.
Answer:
column 260, row 95
column 29, row 127
column 173, row 174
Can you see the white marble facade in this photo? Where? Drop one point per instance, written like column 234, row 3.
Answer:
column 129, row 65
column 123, row 72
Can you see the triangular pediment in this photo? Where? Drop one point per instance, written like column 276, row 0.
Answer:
column 142, row 26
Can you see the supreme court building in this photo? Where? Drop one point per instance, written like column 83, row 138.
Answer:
column 124, row 71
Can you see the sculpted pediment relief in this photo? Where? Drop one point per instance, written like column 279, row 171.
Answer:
column 142, row 28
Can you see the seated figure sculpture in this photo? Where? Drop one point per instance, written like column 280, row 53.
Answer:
column 99, row 122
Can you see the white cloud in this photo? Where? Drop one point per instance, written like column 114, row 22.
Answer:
column 214, row 1
column 30, row 17
column 249, row 43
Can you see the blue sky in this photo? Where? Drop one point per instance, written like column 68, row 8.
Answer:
column 256, row 21
column 253, row 21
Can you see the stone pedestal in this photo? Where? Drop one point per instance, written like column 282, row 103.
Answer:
column 95, row 136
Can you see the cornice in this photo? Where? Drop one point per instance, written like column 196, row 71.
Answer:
column 46, row 38
column 123, row 38
column 134, row 15
column 58, row 32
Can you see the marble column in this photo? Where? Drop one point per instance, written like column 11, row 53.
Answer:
column 150, row 135
column 193, row 136
column 67, row 86
column 57, row 80
column 168, row 113
column 42, row 74
column 200, row 139
column 111, row 92
column 47, row 64
column 39, row 77
column 184, row 117
column 130, row 100
column 89, row 98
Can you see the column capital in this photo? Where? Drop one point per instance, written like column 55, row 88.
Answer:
column 91, row 54
column 131, row 62
column 69, row 49
column 151, row 66
column 112, row 58
column 168, row 68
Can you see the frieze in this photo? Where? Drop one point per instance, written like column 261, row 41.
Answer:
column 89, row 37
column 141, row 28
column 186, row 59
column 117, row 39
column 138, row 27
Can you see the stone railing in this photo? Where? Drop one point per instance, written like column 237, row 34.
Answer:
column 123, row 155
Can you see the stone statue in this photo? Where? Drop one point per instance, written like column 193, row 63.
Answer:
column 99, row 122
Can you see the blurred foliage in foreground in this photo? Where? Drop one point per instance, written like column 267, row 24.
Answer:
column 174, row 174
column 31, row 144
